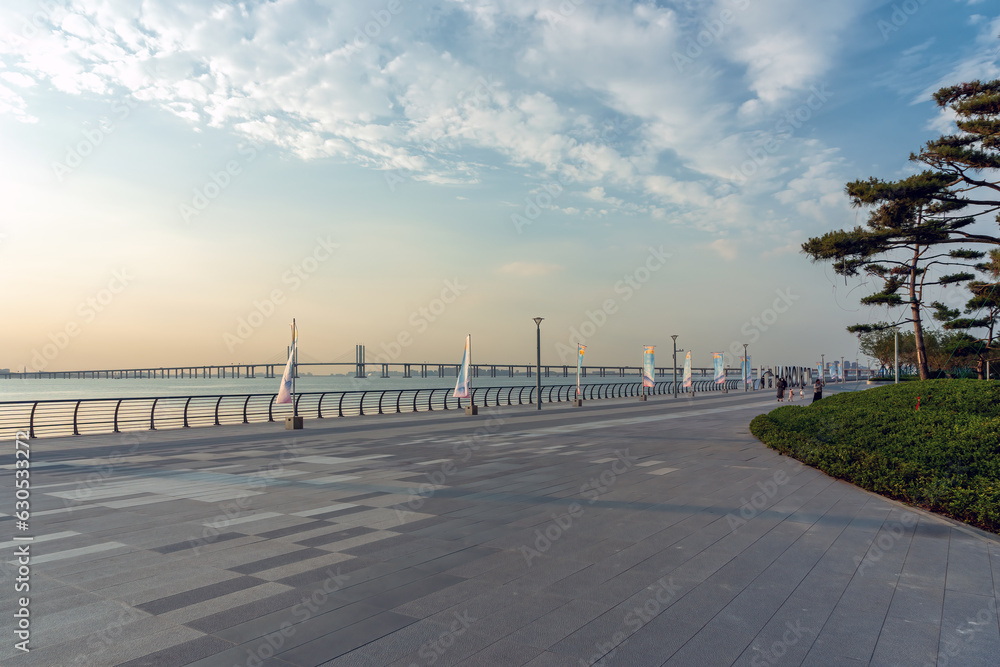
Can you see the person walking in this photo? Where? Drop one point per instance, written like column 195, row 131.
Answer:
column 817, row 390
column 781, row 384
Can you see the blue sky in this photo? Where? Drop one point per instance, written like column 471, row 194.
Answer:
column 180, row 179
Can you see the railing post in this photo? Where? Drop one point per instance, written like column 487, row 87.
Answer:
column 152, row 415
column 245, row 404
column 118, row 405
column 399, row 397
column 217, row 411
column 340, row 404
column 319, row 406
column 361, row 405
column 380, row 397
column 270, row 407
column 186, row 404
column 415, row 394
column 76, row 431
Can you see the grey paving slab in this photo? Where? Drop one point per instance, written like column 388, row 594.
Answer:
column 711, row 563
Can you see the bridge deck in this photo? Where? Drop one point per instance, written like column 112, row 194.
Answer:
column 641, row 533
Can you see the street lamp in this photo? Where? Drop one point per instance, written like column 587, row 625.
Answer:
column 675, row 364
column 745, row 367
column 538, row 359
column 896, row 355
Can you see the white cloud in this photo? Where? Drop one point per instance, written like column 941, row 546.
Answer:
column 726, row 248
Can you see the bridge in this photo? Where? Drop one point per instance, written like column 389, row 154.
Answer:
column 362, row 368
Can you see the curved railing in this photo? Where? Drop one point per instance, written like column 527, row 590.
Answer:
column 91, row 416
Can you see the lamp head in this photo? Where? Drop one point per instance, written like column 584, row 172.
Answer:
column 538, row 321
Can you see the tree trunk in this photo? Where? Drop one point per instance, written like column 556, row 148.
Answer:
column 918, row 330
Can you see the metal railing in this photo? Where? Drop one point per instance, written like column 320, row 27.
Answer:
column 93, row 416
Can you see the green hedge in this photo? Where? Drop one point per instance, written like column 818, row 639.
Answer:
column 944, row 457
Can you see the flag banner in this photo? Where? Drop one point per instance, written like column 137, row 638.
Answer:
column 747, row 372
column 819, row 371
column 829, row 370
column 462, row 385
column 836, row 371
column 648, row 370
column 718, row 359
column 285, row 390
column 580, row 349
column 687, row 370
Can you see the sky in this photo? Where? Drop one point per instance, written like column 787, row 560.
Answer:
column 180, row 179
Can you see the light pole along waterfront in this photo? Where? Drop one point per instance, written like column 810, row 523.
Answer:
column 674, row 336
column 538, row 360
column 745, row 367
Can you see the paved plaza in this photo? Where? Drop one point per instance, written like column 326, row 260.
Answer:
column 619, row 533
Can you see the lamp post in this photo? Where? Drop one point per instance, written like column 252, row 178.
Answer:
column 745, row 367
column 538, row 359
column 896, row 355
column 675, row 364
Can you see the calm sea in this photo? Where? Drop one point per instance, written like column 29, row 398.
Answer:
column 31, row 389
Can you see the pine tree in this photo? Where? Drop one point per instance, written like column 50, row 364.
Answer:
column 983, row 312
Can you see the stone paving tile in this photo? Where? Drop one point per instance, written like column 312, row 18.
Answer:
column 658, row 569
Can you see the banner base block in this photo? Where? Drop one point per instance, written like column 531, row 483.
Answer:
column 643, row 397
column 577, row 402
column 293, row 423
column 472, row 409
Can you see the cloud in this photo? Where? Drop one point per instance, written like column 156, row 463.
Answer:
column 726, row 248
column 587, row 93
column 529, row 269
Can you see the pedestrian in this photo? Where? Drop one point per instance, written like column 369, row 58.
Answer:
column 781, row 384
column 818, row 390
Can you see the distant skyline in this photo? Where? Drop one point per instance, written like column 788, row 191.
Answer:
column 180, row 180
